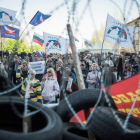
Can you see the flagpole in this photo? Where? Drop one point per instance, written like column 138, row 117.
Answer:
column 103, row 39
column 24, row 29
column 27, row 25
column 1, row 45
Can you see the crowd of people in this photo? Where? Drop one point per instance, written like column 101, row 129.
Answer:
column 59, row 69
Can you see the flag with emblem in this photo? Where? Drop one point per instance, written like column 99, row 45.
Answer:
column 118, row 33
column 7, row 17
column 88, row 43
column 9, row 32
column 39, row 18
column 55, row 43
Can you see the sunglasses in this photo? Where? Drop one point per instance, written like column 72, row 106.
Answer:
column 49, row 72
column 24, row 65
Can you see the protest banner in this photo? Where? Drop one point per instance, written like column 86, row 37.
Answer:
column 123, row 94
column 38, row 66
column 55, row 43
column 7, row 17
column 117, row 33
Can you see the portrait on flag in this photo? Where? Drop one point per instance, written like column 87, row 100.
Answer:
column 88, row 43
column 7, row 16
column 9, row 32
column 55, row 44
column 39, row 18
column 118, row 33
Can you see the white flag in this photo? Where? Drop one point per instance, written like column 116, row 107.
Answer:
column 115, row 30
column 55, row 44
column 7, row 17
column 88, row 43
column 139, row 42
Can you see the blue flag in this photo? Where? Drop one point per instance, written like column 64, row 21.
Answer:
column 39, row 18
column 9, row 32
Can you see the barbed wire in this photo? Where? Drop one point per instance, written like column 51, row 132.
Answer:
column 71, row 14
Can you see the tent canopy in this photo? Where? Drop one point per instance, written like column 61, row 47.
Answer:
column 97, row 48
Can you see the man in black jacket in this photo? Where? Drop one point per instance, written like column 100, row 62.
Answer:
column 108, row 77
column 128, row 72
column 132, row 59
column 84, row 72
column 15, row 65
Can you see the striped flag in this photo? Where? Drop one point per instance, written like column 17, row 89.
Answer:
column 38, row 39
column 76, row 39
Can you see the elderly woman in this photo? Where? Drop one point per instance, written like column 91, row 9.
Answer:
column 50, row 87
column 93, row 77
column 31, row 84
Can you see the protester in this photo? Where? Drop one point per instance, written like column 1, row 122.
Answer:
column 101, row 66
column 24, row 69
column 68, row 76
column 108, row 61
column 16, row 63
column 73, row 75
column 2, row 71
column 88, row 59
column 85, row 73
column 50, row 87
column 135, row 64
column 109, row 77
column 49, row 65
column 31, row 84
column 128, row 72
column 119, row 64
column 93, row 77
column 132, row 59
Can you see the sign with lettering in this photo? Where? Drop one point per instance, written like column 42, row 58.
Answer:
column 38, row 66
column 118, row 34
column 124, row 94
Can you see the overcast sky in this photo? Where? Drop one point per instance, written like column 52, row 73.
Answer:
column 57, row 23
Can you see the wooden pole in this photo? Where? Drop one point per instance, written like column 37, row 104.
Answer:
column 27, row 124
column 79, row 75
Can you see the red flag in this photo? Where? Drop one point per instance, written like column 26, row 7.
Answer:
column 124, row 94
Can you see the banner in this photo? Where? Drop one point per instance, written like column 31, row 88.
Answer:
column 115, row 30
column 39, row 18
column 55, row 44
column 7, row 16
column 9, row 32
column 38, row 66
column 88, row 43
column 124, row 93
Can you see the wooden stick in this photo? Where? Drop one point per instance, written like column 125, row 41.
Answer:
column 27, row 124
column 79, row 75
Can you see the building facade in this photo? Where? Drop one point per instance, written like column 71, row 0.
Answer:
column 135, row 23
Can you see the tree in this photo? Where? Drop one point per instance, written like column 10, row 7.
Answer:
column 10, row 44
